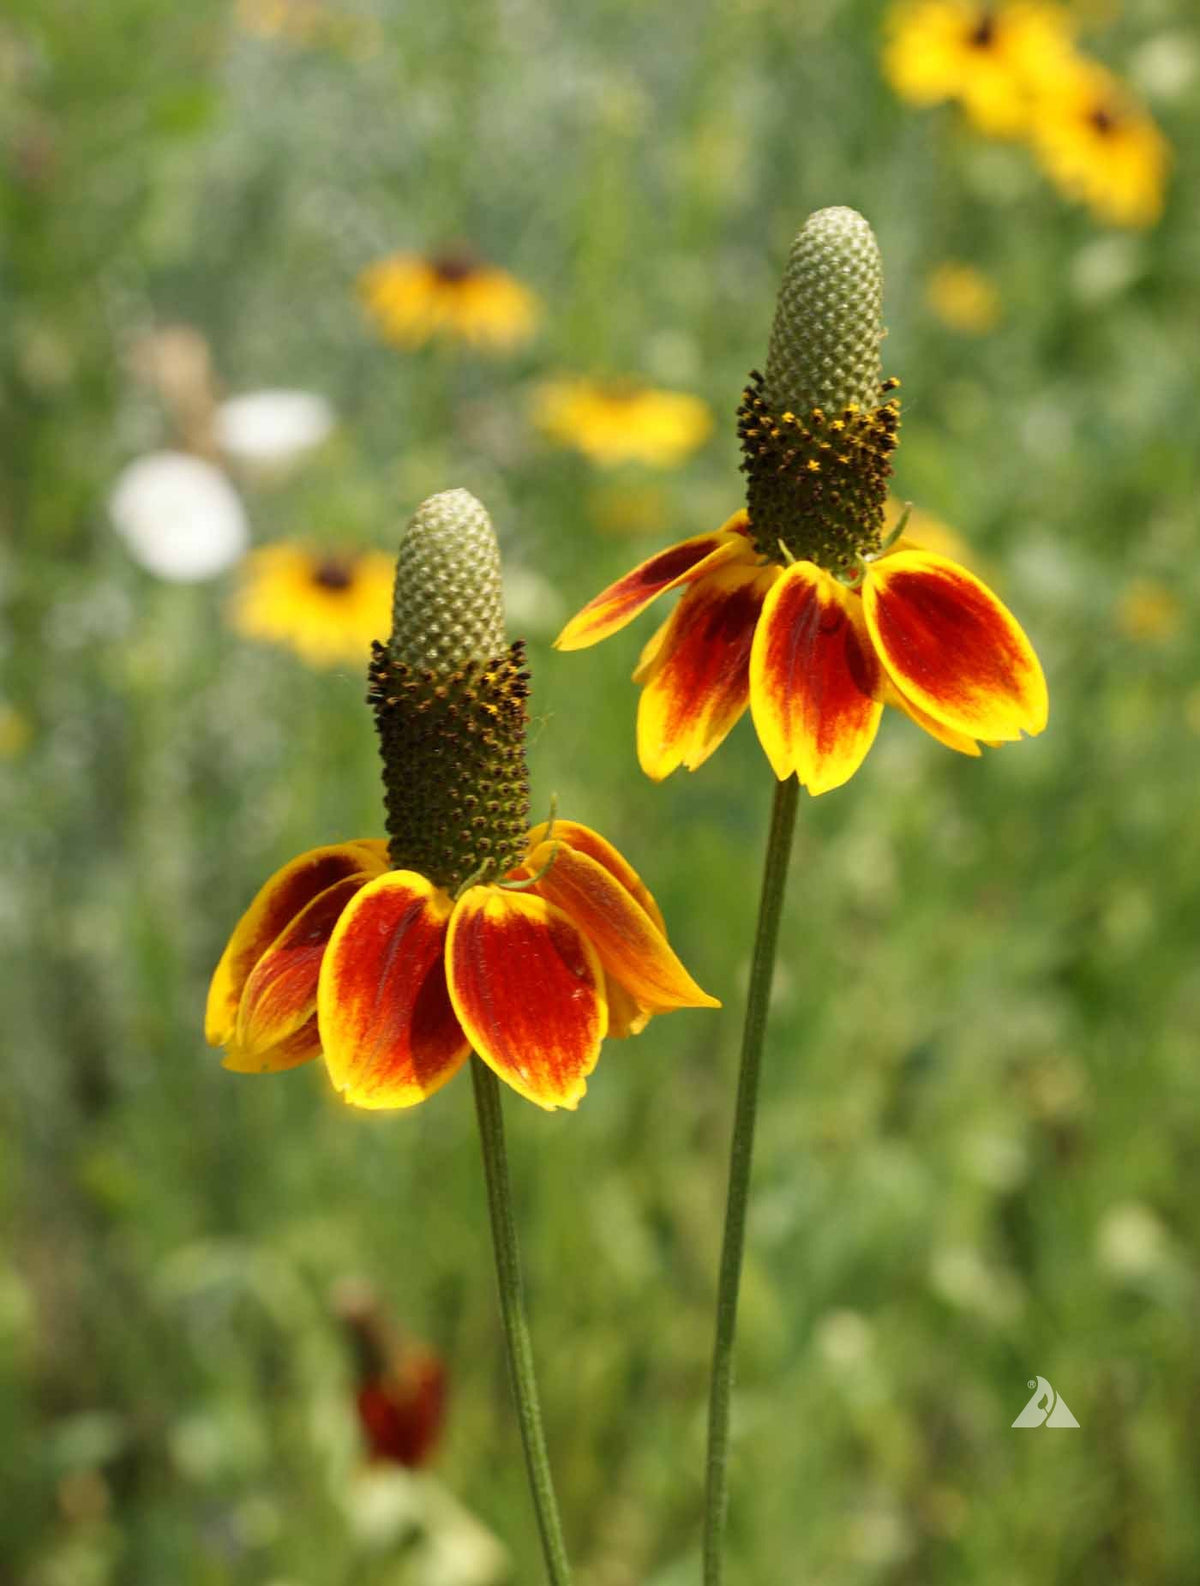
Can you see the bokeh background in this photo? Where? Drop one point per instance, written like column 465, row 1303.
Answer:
column 978, row 1158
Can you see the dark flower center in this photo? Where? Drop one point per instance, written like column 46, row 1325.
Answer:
column 454, row 265
column 983, row 34
column 1103, row 121
column 333, row 573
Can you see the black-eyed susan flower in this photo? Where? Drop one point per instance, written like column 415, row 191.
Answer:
column 989, row 58
column 622, row 421
column 456, row 296
column 798, row 607
column 467, row 929
column 327, row 606
column 1099, row 146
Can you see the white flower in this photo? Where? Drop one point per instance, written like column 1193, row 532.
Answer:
column 179, row 516
column 272, row 426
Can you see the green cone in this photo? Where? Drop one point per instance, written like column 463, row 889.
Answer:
column 449, row 699
column 818, row 431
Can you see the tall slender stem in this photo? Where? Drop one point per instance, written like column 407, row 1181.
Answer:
column 516, row 1325
column 779, row 848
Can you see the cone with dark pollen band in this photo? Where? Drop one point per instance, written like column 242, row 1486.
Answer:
column 818, row 431
column 449, row 699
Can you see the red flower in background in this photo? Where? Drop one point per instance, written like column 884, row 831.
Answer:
column 401, row 1394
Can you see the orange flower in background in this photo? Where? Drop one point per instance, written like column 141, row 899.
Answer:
column 453, row 296
column 394, row 981
column 1100, row 147
column 622, row 421
column 327, row 606
column 991, row 59
column 815, row 659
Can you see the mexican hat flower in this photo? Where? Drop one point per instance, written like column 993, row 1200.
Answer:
column 467, row 929
column 452, row 296
column 798, row 606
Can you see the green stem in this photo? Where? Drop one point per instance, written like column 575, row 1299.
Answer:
column 516, row 1325
column 716, row 1497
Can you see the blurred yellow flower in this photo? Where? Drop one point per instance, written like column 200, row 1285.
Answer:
column 326, row 606
column 16, row 731
column 989, row 58
column 308, row 23
column 963, row 298
column 413, row 299
column 621, row 421
column 1097, row 145
column 628, row 509
column 929, row 533
column 1149, row 611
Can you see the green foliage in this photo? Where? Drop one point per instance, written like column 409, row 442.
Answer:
column 978, row 1150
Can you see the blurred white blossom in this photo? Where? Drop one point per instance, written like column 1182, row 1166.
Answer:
column 272, row 426
column 179, row 517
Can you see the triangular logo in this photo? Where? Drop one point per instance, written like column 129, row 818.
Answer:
column 1060, row 1415
column 1045, row 1407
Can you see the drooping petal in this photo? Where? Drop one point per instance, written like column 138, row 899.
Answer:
column 952, row 649
column 585, row 841
column 528, row 990
column 388, row 1030
column 630, row 945
column 277, row 903
column 280, row 994
column 814, row 679
column 699, row 682
column 300, row 1047
column 626, row 1016
column 650, row 652
column 679, row 564
column 952, row 740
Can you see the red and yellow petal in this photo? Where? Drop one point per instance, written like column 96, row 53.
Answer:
column 952, row 649
column 650, row 652
column 388, row 1030
column 528, row 990
column 679, row 564
column 814, row 679
column 699, row 682
column 586, row 841
column 278, row 902
column 952, row 740
column 630, row 945
column 626, row 1016
column 280, row 994
column 300, row 1047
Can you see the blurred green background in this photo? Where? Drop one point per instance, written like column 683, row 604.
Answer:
column 978, row 1158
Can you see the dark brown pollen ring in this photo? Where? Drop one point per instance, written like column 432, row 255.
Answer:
column 817, row 482
column 453, row 747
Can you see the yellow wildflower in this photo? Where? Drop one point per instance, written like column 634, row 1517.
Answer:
column 963, row 298
column 326, row 606
column 1099, row 146
column 622, row 421
column 988, row 58
column 454, row 295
